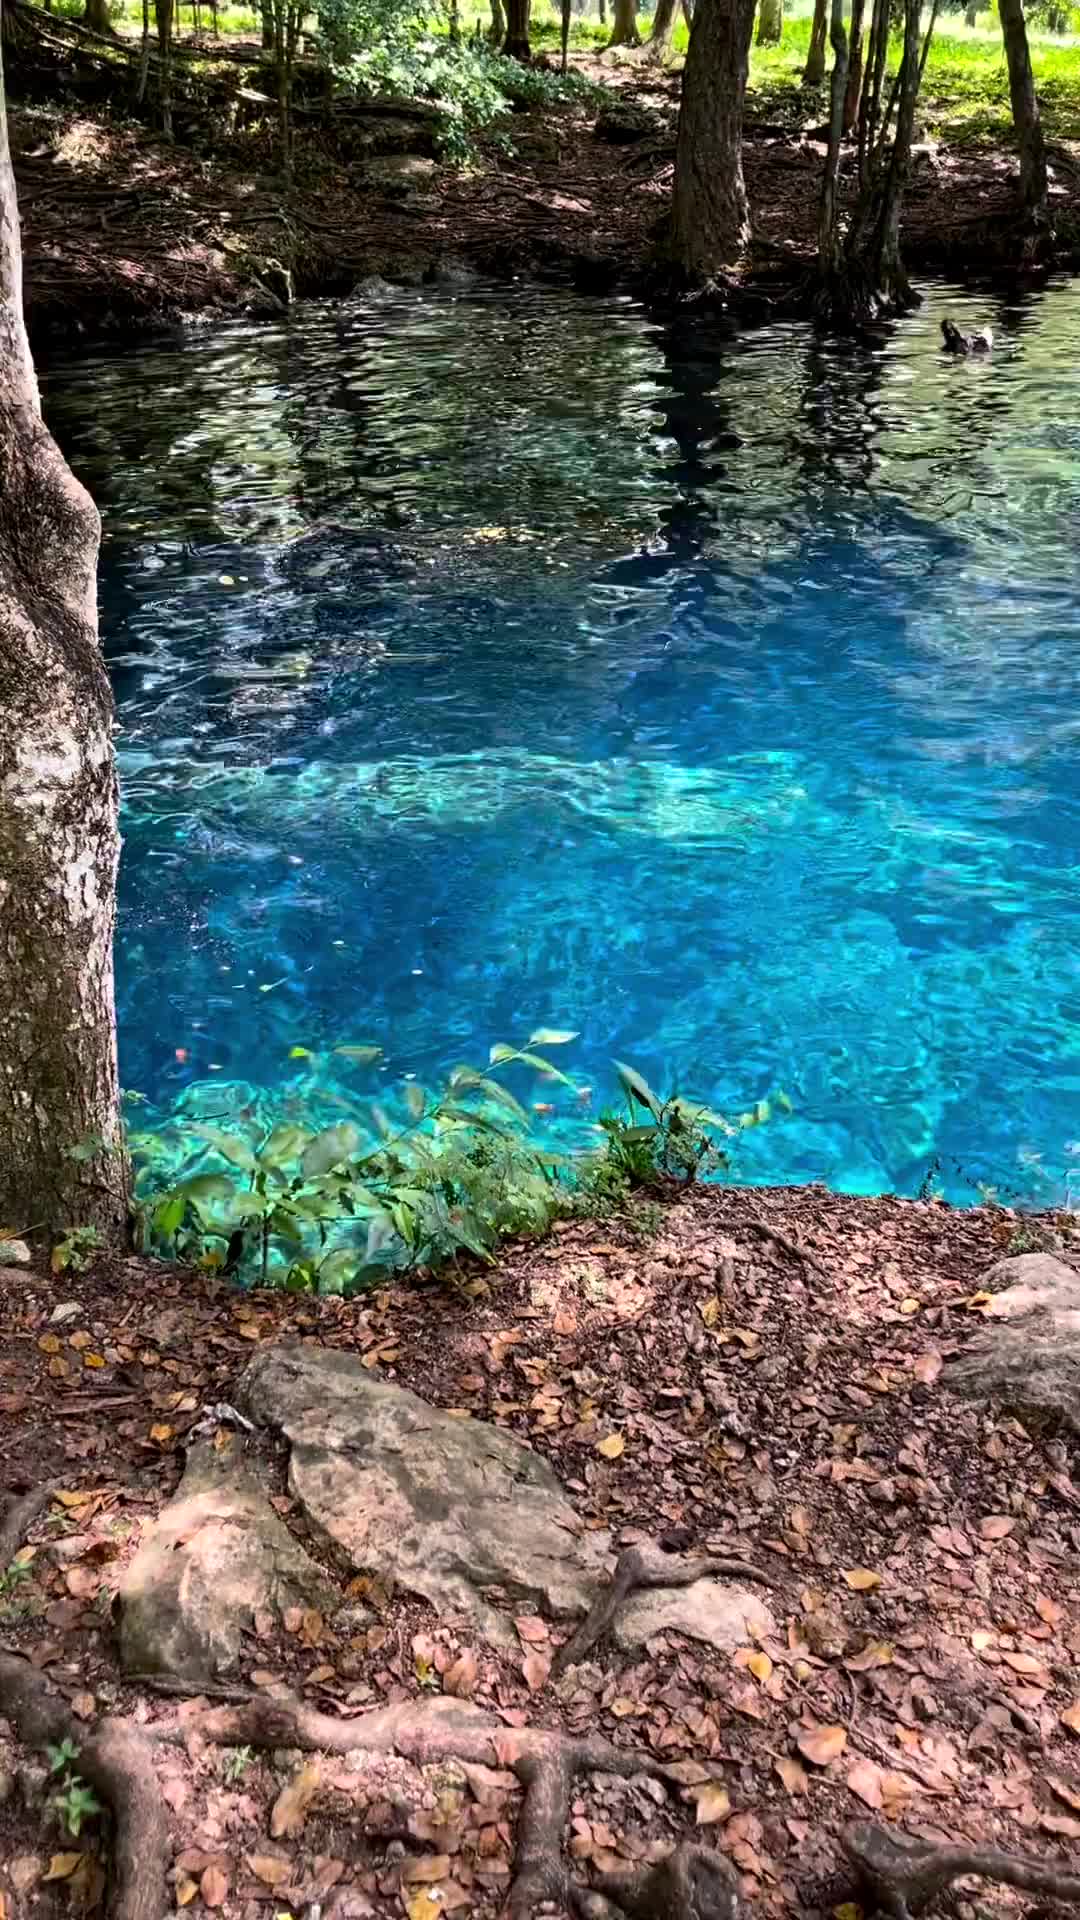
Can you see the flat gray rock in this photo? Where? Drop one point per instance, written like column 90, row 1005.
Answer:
column 449, row 1509
column 1028, row 1353
column 215, row 1556
column 723, row 1616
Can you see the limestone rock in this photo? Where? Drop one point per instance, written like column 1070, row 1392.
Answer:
column 216, row 1554
column 14, row 1253
column 1028, row 1354
column 446, row 1508
column 721, row 1615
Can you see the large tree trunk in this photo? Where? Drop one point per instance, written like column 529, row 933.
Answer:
column 61, row 1145
column 96, row 16
column 814, row 70
column 516, row 43
column 497, row 29
column 770, row 27
column 663, row 27
column 1025, row 106
column 624, row 31
column 710, row 221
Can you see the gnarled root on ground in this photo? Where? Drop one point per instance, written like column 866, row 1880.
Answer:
column 117, row 1761
column 692, row 1884
column 900, row 1876
column 642, row 1567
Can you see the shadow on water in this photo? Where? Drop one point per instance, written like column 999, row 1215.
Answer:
column 517, row 659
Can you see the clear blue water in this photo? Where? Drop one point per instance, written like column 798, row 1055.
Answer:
column 506, row 660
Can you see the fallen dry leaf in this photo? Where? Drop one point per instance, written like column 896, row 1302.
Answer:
column 214, row 1887
column 461, row 1676
column 713, row 1804
column 928, row 1366
column 755, row 1661
column 290, row 1807
column 270, row 1868
column 877, row 1653
column 532, row 1629
column 536, row 1667
column 996, row 1526
column 425, row 1871
column 423, row 1906
column 864, row 1781
column 62, row 1866
column 186, row 1891
column 612, row 1446
column 1071, row 1717
column 862, row 1579
column 795, row 1777
column 822, row 1744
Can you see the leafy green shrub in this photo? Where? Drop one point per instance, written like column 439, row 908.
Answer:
column 474, row 87
column 679, row 1138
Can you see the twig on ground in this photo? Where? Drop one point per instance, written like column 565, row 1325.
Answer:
column 116, row 1760
column 636, row 1569
column 781, row 1240
column 901, row 1876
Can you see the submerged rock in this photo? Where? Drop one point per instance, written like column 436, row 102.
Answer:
column 215, row 1556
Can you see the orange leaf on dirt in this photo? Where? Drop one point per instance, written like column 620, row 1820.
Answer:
column 49, row 1343
column 423, row 1906
column 713, row 1804
column 93, row 1360
column 862, row 1579
column 877, row 1653
column 270, row 1868
column 822, row 1744
column 1048, row 1610
column 460, row 1677
column 536, row 1667
column 425, row 1871
column 214, row 1887
column 755, row 1661
column 186, row 1891
column 612, row 1446
column 62, row 1866
column 290, row 1808
column 161, row 1434
column 864, row 1781
column 928, row 1366
column 531, row 1629
column 996, row 1526
column 795, row 1777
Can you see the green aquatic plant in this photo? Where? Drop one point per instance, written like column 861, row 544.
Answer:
column 444, row 1173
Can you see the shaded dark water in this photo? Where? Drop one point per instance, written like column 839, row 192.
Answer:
column 512, row 660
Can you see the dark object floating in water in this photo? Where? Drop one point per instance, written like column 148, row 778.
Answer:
column 957, row 342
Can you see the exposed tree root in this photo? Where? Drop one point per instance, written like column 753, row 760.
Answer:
column 901, row 1876
column 692, row 1884
column 17, row 1519
column 116, row 1760
column 790, row 1247
column 638, row 1568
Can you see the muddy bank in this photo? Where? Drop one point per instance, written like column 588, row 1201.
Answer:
column 120, row 228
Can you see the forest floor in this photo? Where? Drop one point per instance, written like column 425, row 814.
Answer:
column 119, row 226
column 782, row 1396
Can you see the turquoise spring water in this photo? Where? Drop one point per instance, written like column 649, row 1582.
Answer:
column 506, row 659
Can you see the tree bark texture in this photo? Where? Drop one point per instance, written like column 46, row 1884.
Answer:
column 814, row 70
column 96, row 16
column 59, row 842
column 710, row 224
column 1025, row 106
column 663, row 27
column 830, row 245
column 624, row 31
column 770, row 28
column 497, row 29
column 516, row 43
column 855, row 65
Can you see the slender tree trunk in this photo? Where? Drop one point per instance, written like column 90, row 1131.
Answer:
column 855, row 65
column 830, row 244
column 814, row 70
column 624, row 30
column 770, row 28
column 267, row 11
column 710, row 223
column 1025, row 106
column 96, row 17
column 663, row 27
column 163, row 10
column 454, row 23
column 497, row 29
column 144, row 53
column 565, row 33
column 601, row 7
column 516, row 43
column 59, row 842
column 971, row 14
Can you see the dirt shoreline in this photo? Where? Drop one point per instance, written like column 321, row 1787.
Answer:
column 120, row 230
